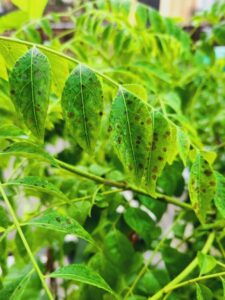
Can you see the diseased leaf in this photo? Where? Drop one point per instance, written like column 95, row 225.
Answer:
column 38, row 183
column 81, row 273
column 29, row 150
column 172, row 144
column 54, row 221
column 202, row 184
column 29, row 87
column 219, row 198
column 15, row 289
column 206, row 263
column 159, row 150
column 183, row 144
column 83, row 106
column 130, row 121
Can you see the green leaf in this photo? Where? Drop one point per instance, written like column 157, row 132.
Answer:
column 13, row 20
column 183, row 144
column 11, row 131
column 34, row 8
column 3, row 70
column 14, row 290
column 54, row 221
column 82, row 106
column 60, row 71
column 29, row 150
column 4, row 220
column 141, row 223
column 11, row 51
column 38, row 183
column 203, row 292
column 206, row 263
column 30, row 87
column 81, row 273
column 174, row 260
column 223, row 285
column 202, row 185
column 130, row 121
column 220, row 193
column 119, row 251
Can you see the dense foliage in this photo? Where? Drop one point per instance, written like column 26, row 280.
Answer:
column 112, row 154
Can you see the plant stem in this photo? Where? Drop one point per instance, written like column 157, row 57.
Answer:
column 25, row 243
column 170, row 286
column 79, row 199
column 149, row 261
column 122, row 185
column 76, row 61
column 193, row 280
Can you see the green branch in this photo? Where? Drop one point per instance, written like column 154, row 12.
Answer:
column 121, row 185
column 74, row 60
column 25, row 243
column 54, row 205
column 196, row 279
column 170, row 286
column 149, row 261
column 75, row 170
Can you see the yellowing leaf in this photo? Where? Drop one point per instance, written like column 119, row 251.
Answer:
column 34, row 8
column 3, row 70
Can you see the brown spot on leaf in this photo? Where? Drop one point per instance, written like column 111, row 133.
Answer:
column 208, row 172
column 70, row 114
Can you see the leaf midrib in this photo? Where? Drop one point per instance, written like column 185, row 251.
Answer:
column 32, row 93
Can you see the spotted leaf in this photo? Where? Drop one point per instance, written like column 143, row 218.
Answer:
column 130, row 122
column 82, row 106
column 30, row 86
column 202, row 184
column 159, row 146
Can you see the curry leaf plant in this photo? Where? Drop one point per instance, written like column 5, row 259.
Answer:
column 111, row 154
